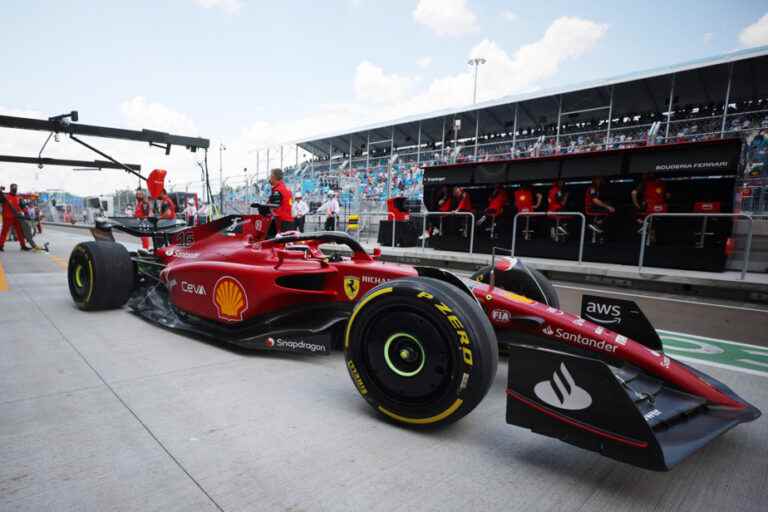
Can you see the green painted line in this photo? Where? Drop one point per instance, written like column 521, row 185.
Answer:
column 742, row 357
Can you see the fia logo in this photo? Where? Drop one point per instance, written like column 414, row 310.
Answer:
column 562, row 392
column 603, row 313
column 501, row 315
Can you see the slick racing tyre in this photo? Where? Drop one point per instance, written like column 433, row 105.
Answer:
column 100, row 275
column 420, row 351
column 522, row 280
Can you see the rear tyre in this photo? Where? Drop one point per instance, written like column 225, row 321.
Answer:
column 100, row 275
column 529, row 282
column 420, row 351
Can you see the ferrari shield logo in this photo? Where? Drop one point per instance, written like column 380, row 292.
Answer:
column 351, row 286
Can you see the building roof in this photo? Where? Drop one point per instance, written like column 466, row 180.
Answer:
column 341, row 139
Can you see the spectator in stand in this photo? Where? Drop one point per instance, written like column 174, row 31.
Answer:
column 300, row 211
column 331, row 210
column 11, row 212
column 282, row 201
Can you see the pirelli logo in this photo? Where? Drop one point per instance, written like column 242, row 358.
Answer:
column 455, row 322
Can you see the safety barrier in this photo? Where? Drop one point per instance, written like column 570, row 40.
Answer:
column 649, row 218
column 552, row 214
column 445, row 214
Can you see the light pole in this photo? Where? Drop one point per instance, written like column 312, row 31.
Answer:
column 476, row 63
column 222, row 148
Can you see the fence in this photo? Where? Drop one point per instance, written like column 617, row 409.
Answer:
column 552, row 214
column 443, row 214
column 649, row 218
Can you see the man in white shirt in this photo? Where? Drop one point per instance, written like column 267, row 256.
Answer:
column 190, row 213
column 300, row 210
column 331, row 209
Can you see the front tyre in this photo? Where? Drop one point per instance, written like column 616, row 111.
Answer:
column 100, row 275
column 420, row 351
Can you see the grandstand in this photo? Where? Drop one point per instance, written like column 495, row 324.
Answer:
column 713, row 98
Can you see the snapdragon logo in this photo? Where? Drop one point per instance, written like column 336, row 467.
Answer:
column 299, row 345
column 562, row 392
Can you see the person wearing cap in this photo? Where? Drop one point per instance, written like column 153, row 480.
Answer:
column 300, row 211
column 282, row 202
column 331, row 209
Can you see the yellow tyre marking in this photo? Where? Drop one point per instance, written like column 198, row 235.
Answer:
column 90, row 281
column 424, row 421
column 357, row 310
column 3, row 280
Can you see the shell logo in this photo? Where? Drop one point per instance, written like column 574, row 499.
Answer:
column 230, row 299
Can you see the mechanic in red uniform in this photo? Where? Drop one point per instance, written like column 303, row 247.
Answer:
column 435, row 222
column 593, row 201
column 654, row 195
column 167, row 207
column 282, row 218
column 462, row 199
column 556, row 197
column 496, row 204
column 463, row 202
column 142, row 212
column 556, row 200
column 11, row 208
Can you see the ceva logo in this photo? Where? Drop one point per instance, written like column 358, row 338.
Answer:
column 603, row 313
column 562, row 392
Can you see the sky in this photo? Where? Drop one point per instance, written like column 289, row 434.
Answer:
column 253, row 74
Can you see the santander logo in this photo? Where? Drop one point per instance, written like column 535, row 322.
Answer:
column 562, row 392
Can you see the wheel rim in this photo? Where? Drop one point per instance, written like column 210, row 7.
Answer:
column 404, row 354
column 407, row 356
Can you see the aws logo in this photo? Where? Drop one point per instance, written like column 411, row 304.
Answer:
column 603, row 313
column 230, row 299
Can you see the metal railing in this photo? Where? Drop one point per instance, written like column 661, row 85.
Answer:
column 551, row 214
column 424, row 216
column 648, row 219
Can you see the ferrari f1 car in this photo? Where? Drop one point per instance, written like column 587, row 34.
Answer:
column 421, row 344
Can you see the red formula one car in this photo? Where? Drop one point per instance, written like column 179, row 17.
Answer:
column 421, row 344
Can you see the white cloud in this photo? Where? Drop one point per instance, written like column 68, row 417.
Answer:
column 139, row 113
column 708, row 37
column 755, row 34
column 228, row 6
column 380, row 95
column 446, row 17
column 509, row 15
column 424, row 62
column 372, row 85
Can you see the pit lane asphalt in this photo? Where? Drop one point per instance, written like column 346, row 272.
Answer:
column 102, row 411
